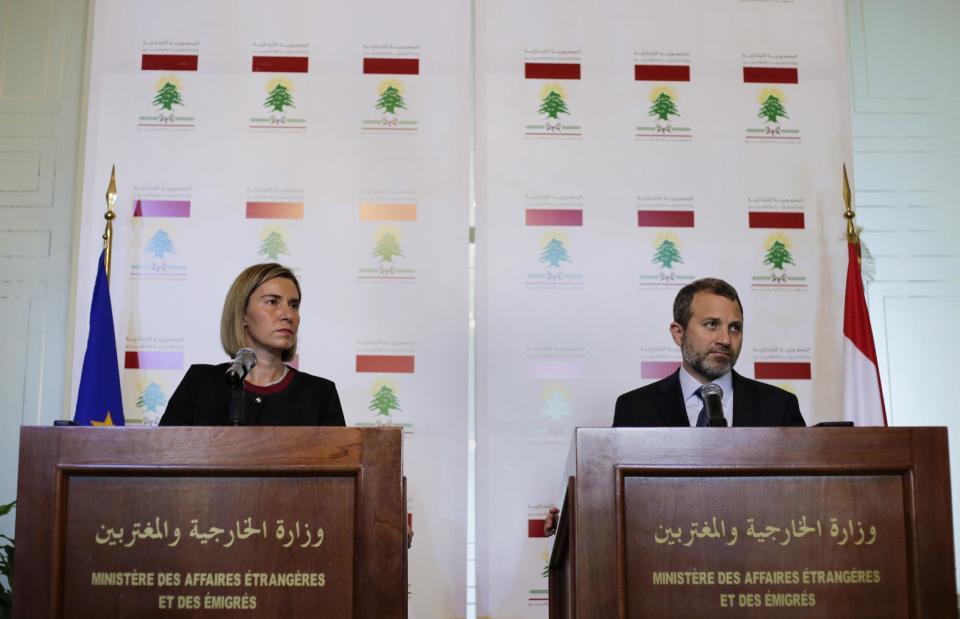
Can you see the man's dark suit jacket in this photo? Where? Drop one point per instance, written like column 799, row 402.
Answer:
column 660, row 404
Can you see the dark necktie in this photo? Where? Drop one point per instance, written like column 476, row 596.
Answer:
column 703, row 420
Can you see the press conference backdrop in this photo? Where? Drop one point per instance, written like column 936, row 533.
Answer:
column 327, row 137
column 624, row 150
column 575, row 349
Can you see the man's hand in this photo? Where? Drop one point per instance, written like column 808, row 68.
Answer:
column 550, row 522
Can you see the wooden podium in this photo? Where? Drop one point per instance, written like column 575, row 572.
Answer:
column 197, row 522
column 755, row 522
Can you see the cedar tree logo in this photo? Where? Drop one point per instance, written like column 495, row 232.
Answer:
column 777, row 256
column 666, row 254
column 663, row 100
column 384, row 400
column 279, row 98
column 167, row 95
column 553, row 253
column 552, row 104
column 151, row 398
column 772, row 109
column 556, row 404
column 273, row 245
column 387, row 248
column 150, row 401
column 159, row 245
column 389, row 100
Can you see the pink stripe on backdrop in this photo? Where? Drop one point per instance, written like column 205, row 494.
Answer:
column 274, row 210
column 161, row 208
column 554, row 217
column 555, row 368
column 767, row 370
column 658, row 369
column 153, row 360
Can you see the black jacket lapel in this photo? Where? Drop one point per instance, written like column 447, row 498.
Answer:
column 744, row 410
column 670, row 404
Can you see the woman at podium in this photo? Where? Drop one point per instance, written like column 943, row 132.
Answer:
column 258, row 331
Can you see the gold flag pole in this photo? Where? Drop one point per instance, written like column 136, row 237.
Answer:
column 852, row 236
column 110, row 216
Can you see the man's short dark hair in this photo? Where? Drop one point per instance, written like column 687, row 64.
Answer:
column 712, row 285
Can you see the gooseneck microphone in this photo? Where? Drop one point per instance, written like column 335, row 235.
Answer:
column 242, row 363
column 713, row 400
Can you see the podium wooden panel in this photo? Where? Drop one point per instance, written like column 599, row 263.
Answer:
column 755, row 522
column 250, row 522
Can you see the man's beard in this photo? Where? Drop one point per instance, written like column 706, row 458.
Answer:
column 703, row 367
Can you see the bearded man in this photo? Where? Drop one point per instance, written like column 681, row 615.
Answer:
column 708, row 327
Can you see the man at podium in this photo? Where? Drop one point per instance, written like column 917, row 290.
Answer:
column 708, row 327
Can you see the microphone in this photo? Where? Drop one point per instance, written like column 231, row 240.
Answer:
column 713, row 401
column 241, row 364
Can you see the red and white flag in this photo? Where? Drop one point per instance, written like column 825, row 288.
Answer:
column 862, row 395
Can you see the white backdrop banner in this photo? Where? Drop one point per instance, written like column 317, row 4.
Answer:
column 327, row 137
column 625, row 149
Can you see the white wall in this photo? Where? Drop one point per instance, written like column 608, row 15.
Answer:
column 41, row 70
column 905, row 65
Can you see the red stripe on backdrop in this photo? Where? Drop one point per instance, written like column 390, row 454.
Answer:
column 767, row 370
column 398, row 364
column 280, row 64
column 551, row 71
column 661, row 73
column 169, row 62
column 776, row 220
column 771, row 75
column 535, row 527
column 554, row 217
column 668, row 219
column 391, row 66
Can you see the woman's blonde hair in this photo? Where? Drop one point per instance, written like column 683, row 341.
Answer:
column 232, row 332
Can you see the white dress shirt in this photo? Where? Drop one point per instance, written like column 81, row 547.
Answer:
column 693, row 403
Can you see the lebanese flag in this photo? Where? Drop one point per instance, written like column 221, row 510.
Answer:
column 862, row 395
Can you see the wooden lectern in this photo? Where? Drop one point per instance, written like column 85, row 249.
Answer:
column 755, row 522
column 196, row 522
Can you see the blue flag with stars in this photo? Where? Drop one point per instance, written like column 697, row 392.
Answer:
column 98, row 400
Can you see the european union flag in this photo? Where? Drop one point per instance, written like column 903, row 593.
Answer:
column 98, row 401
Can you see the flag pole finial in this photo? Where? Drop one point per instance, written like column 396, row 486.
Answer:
column 110, row 215
column 852, row 236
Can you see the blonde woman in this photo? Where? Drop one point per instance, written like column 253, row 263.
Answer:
column 262, row 313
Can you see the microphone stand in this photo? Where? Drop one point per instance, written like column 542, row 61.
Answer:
column 718, row 421
column 713, row 400
column 237, row 417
